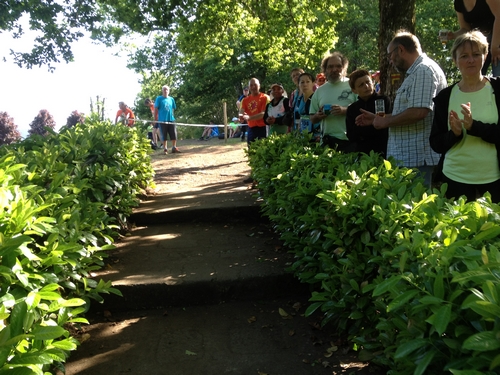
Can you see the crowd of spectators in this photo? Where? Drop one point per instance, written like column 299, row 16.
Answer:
column 447, row 134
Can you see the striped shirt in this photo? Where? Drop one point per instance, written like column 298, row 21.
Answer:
column 409, row 144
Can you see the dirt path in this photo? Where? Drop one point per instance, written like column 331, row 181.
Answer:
column 200, row 163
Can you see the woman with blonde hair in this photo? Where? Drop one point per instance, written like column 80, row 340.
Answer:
column 465, row 130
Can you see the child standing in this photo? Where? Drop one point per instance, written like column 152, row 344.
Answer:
column 365, row 138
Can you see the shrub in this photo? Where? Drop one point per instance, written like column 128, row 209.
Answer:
column 63, row 197
column 75, row 118
column 9, row 132
column 41, row 122
column 189, row 132
column 410, row 278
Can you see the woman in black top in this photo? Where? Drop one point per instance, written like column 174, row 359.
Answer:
column 481, row 15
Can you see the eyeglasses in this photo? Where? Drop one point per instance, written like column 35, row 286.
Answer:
column 389, row 54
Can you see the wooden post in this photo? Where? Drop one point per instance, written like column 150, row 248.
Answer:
column 225, row 121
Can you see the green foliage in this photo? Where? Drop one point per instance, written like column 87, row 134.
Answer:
column 189, row 132
column 432, row 16
column 236, row 41
column 358, row 34
column 208, row 50
column 62, row 198
column 57, row 26
column 411, row 278
column 97, row 111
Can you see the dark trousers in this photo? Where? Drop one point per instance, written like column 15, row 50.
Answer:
column 168, row 129
column 244, row 130
column 472, row 191
column 338, row 144
column 255, row 133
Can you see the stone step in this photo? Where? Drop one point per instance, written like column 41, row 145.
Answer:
column 193, row 263
column 239, row 337
column 231, row 203
column 196, row 215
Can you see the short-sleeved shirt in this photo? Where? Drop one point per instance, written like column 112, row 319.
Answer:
column 338, row 93
column 254, row 104
column 464, row 161
column 126, row 117
column 166, row 106
column 409, row 144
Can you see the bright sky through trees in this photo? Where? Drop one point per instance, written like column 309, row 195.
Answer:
column 95, row 71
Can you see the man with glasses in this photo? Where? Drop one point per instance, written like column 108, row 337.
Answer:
column 330, row 101
column 411, row 120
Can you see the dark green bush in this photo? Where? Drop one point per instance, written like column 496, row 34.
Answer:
column 411, row 278
column 63, row 197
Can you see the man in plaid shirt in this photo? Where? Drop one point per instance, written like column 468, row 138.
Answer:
column 411, row 120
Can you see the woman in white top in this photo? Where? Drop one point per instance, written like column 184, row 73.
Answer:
column 465, row 129
column 274, row 115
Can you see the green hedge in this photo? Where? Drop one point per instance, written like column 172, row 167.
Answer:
column 410, row 278
column 63, row 199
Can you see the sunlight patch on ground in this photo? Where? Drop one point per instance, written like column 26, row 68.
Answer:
column 88, row 363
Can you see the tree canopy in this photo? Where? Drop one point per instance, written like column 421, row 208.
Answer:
column 58, row 25
column 41, row 122
column 206, row 50
column 9, row 132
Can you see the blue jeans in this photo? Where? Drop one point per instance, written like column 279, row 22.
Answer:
column 495, row 69
column 425, row 171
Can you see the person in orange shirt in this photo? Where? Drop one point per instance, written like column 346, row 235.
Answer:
column 320, row 80
column 125, row 115
column 252, row 110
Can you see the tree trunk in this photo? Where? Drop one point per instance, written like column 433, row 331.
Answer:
column 394, row 15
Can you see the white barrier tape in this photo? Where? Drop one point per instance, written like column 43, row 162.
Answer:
column 180, row 123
